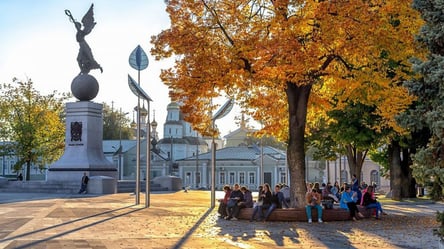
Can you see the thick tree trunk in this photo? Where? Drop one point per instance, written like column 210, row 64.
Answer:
column 408, row 187
column 297, row 97
column 402, row 182
column 395, row 171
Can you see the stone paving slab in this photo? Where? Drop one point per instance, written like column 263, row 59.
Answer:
column 184, row 220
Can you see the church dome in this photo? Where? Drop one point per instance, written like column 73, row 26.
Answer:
column 143, row 111
column 154, row 123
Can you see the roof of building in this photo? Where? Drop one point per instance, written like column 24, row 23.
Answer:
column 184, row 140
column 173, row 122
column 247, row 153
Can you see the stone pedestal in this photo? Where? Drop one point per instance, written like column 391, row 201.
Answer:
column 83, row 145
column 102, row 185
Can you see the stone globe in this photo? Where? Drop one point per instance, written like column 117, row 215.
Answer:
column 84, row 87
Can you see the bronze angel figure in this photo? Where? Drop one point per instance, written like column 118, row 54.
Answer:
column 85, row 58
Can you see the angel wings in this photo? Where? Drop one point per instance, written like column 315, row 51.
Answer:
column 85, row 58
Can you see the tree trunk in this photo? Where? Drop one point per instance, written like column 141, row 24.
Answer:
column 395, row 170
column 390, row 159
column 355, row 160
column 28, row 171
column 408, row 185
column 297, row 97
column 402, row 182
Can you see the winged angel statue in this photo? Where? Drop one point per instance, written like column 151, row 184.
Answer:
column 85, row 58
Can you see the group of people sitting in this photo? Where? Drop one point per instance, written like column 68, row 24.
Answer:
column 241, row 197
column 234, row 199
column 349, row 197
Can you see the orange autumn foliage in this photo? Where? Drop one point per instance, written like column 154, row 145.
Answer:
column 272, row 55
column 249, row 50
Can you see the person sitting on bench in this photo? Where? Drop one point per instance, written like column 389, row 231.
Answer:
column 349, row 202
column 313, row 198
column 264, row 202
column 369, row 201
column 276, row 201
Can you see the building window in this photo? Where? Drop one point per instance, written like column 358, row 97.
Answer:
column 283, row 177
column 222, row 178
column 242, row 178
column 374, row 177
column 187, row 179
column 232, row 178
column 11, row 165
column 344, row 176
column 251, row 178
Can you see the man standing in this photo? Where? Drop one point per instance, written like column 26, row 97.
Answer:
column 85, row 180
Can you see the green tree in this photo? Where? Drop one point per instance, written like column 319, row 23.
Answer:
column 428, row 111
column 32, row 124
column 115, row 124
column 355, row 129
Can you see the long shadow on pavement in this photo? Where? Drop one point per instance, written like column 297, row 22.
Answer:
column 285, row 234
column 182, row 241
column 71, row 230
column 6, row 198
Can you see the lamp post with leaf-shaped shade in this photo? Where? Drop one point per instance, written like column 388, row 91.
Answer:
column 139, row 61
column 222, row 112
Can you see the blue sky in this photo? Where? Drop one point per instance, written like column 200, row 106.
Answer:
column 38, row 42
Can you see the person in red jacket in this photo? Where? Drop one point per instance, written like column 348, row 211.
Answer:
column 222, row 210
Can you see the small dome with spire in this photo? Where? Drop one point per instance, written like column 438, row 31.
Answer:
column 154, row 123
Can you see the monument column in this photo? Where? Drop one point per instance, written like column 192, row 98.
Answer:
column 84, row 124
column 83, row 145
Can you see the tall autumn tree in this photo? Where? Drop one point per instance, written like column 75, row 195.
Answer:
column 272, row 55
column 31, row 124
column 428, row 111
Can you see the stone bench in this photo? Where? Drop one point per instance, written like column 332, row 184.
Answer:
column 298, row 214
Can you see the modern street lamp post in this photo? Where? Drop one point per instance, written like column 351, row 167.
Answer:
column 222, row 112
column 139, row 61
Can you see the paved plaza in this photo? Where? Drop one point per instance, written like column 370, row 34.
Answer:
column 184, row 220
